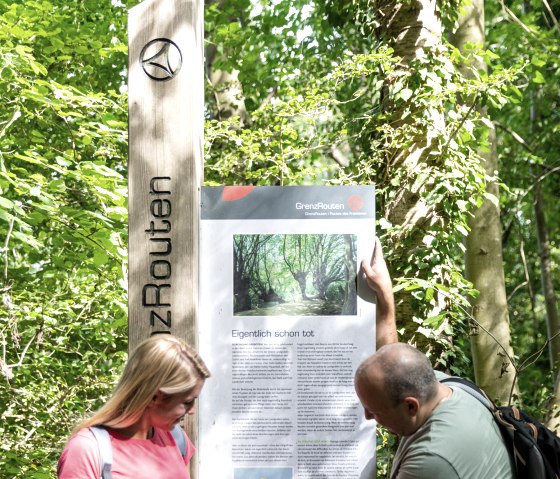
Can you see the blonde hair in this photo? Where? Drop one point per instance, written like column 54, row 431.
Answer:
column 161, row 363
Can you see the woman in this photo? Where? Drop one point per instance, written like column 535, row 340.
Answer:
column 159, row 385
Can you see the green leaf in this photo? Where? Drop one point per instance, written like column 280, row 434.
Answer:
column 493, row 198
column 405, row 94
column 6, row 203
column 538, row 78
column 462, row 229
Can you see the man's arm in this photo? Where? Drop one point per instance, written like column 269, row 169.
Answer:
column 427, row 465
column 378, row 279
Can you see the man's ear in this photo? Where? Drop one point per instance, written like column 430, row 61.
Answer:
column 412, row 405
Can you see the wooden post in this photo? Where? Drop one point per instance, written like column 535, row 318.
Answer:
column 166, row 101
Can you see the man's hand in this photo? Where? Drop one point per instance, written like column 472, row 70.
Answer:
column 376, row 272
column 379, row 280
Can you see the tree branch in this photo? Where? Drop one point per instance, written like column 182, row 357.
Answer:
column 5, row 248
column 512, row 15
column 552, row 16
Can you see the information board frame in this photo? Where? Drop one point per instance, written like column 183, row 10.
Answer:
column 280, row 403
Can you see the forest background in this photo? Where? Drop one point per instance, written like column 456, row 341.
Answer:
column 450, row 110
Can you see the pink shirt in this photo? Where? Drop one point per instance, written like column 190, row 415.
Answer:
column 133, row 458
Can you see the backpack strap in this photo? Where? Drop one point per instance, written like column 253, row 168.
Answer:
column 105, row 451
column 506, row 430
column 470, row 388
column 180, row 439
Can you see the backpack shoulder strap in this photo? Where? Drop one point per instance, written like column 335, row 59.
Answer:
column 180, row 439
column 470, row 388
column 105, row 451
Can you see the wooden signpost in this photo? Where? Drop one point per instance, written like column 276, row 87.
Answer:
column 165, row 166
column 166, row 101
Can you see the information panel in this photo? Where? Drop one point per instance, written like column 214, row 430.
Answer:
column 284, row 321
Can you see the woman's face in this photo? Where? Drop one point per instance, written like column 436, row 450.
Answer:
column 167, row 410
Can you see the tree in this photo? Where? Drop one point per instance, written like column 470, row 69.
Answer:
column 248, row 284
column 551, row 306
column 331, row 96
column 350, row 290
column 490, row 334
column 425, row 168
column 62, row 222
column 381, row 102
column 528, row 154
column 225, row 85
column 327, row 264
column 413, row 30
column 298, row 258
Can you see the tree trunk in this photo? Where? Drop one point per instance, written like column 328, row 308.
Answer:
column 242, row 298
column 301, row 278
column 552, row 323
column 411, row 29
column 490, row 333
column 350, row 290
column 553, row 419
column 227, row 89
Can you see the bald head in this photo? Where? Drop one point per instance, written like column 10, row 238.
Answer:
column 400, row 370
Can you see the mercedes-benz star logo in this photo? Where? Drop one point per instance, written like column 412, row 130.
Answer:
column 161, row 59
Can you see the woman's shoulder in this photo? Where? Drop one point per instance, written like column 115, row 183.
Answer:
column 84, row 438
column 80, row 457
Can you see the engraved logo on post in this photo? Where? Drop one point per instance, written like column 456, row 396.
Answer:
column 161, row 59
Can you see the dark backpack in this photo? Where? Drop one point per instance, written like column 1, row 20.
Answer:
column 535, row 449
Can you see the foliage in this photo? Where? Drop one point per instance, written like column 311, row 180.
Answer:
column 447, row 184
column 63, row 207
column 356, row 75
column 316, row 82
column 337, row 103
column 527, row 33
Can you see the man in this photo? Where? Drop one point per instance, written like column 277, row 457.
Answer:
column 445, row 432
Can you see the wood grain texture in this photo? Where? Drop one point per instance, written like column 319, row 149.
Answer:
column 165, row 168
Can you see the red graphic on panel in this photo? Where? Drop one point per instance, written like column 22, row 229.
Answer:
column 234, row 193
column 355, row 202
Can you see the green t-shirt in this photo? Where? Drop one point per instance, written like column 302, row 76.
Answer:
column 460, row 440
